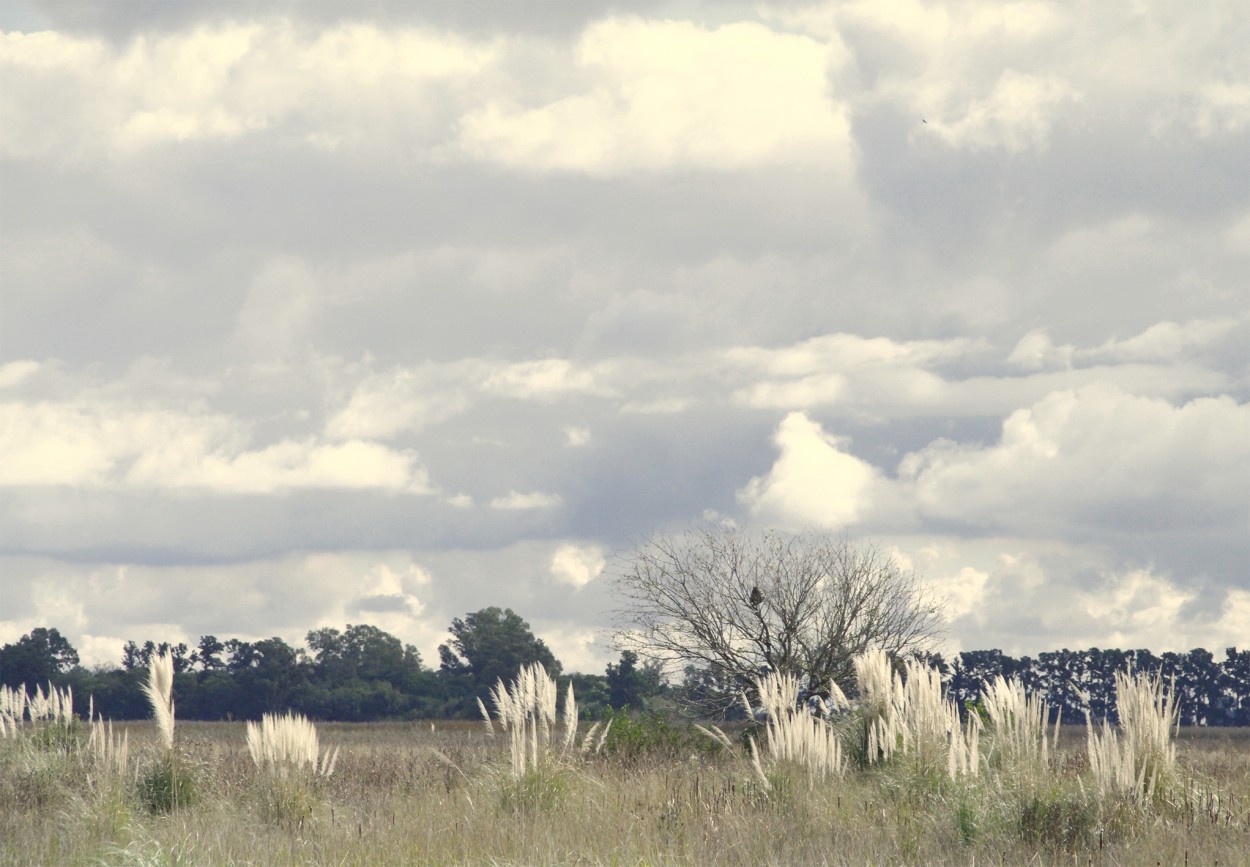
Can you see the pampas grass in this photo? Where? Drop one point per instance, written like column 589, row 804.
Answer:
column 1018, row 722
column 526, row 711
column 110, row 749
column 1138, row 759
column 289, row 742
column 910, row 715
column 165, row 784
column 792, row 734
column 160, row 692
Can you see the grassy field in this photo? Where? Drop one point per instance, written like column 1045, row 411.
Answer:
column 417, row 793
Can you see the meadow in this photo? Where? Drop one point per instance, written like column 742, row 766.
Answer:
column 649, row 792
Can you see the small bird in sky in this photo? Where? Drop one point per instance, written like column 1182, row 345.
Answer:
column 756, row 597
column 922, row 120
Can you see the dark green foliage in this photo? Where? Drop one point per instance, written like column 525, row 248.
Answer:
column 166, row 784
column 488, row 646
column 636, row 736
column 631, row 685
column 363, row 673
column 37, row 658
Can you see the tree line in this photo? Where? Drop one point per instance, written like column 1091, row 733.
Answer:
column 363, row 673
column 357, row 674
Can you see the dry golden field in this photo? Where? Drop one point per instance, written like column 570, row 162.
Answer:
column 416, row 793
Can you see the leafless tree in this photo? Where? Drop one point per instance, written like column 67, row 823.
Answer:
column 737, row 603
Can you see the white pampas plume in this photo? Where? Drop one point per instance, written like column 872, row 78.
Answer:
column 160, row 692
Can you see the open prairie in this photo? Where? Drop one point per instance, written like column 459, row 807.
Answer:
column 416, row 793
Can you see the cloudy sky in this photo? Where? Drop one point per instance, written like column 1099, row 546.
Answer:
column 328, row 313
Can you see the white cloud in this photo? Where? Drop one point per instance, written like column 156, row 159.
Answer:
column 878, row 378
column 14, row 372
column 517, row 501
column 1035, row 351
column 1088, row 455
column 100, row 606
column 279, row 309
column 578, row 648
column 404, row 400
column 1016, row 116
column 548, row 377
column 661, row 406
column 343, row 87
column 107, row 446
column 577, row 565
column 1137, row 609
column 407, row 400
column 813, row 482
column 657, row 94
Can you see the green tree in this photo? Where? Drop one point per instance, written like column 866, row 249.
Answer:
column 208, row 653
column 363, row 652
column 630, row 685
column 487, row 646
column 39, row 657
column 266, row 673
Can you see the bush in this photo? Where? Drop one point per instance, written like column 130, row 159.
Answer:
column 166, row 784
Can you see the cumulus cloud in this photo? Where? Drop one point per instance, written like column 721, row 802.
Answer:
column 968, row 279
column 339, row 88
column 100, row 606
column 813, row 482
column 577, row 565
column 1096, row 455
column 548, row 377
column 15, row 371
column 104, row 446
column 659, row 94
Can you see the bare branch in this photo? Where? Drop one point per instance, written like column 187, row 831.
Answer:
column 737, row 604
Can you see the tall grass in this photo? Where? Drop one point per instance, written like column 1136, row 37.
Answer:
column 525, row 710
column 908, row 714
column 289, row 742
column 1018, row 723
column 166, row 783
column 793, row 734
column 159, row 690
column 390, row 802
column 1138, row 758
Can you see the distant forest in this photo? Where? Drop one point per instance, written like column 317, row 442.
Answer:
column 362, row 673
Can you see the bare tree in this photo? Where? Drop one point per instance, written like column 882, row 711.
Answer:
column 735, row 604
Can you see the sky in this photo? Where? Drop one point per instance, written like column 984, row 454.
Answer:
column 328, row 313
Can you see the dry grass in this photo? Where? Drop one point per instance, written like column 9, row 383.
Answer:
column 444, row 793
column 392, row 801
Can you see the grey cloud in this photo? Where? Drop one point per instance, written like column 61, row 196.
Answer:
column 122, row 21
column 400, row 269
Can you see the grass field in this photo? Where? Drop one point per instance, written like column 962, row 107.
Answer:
column 417, row 793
